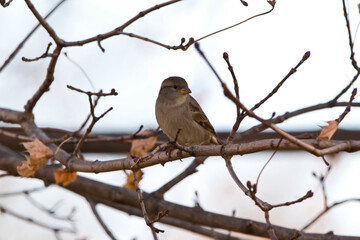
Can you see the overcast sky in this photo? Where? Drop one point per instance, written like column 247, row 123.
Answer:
column 262, row 51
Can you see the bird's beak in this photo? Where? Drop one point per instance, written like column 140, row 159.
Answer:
column 184, row 91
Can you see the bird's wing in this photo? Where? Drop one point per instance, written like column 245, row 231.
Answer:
column 199, row 116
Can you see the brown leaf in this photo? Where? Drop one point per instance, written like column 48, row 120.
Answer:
column 64, row 177
column 39, row 155
column 140, row 147
column 130, row 184
column 328, row 131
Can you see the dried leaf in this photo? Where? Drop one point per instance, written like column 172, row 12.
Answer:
column 25, row 170
column 328, row 131
column 64, row 177
column 130, row 184
column 140, row 147
column 39, row 155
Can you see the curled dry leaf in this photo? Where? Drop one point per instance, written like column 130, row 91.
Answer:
column 64, row 177
column 140, row 147
column 328, row 131
column 130, row 184
column 39, row 155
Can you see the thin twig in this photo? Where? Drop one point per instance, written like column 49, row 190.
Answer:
column 119, row 30
column 44, row 55
column 21, row 44
column 291, row 72
column 183, row 46
column 224, row 29
column 99, row 94
column 249, row 112
column 45, row 86
column 327, row 209
column 4, row 3
column 82, row 71
column 36, row 222
column 92, row 204
column 267, row 162
column 51, row 211
column 348, row 107
column 308, row 194
column 143, row 208
column 351, row 83
column 321, row 178
column 236, row 88
column 9, row 194
column 191, row 169
column 59, row 42
column 88, row 130
column 287, row 115
column 351, row 44
column 92, row 111
column 15, row 135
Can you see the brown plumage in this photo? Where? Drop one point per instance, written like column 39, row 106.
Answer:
column 176, row 109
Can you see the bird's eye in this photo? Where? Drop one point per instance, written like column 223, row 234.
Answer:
column 175, row 87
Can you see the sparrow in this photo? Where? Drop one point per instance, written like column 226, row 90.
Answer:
column 177, row 112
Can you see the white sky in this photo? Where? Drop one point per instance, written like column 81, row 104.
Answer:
column 262, row 51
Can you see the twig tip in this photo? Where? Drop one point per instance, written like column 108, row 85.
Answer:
column 244, row 3
column 226, row 56
column 306, row 55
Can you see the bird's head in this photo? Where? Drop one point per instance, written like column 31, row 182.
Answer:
column 174, row 89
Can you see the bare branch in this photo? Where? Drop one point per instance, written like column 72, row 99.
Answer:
column 44, row 55
column 92, row 111
column 119, row 30
column 291, row 72
column 191, row 169
column 4, row 3
column 236, row 88
column 143, row 13
column 345, row 89
column 11, row 116
column 45, row 25
column 27, row 191
column 19, row 47
column 36, row 222
column 92, row 204
column 224, row 29
column 82, row 70
column 249, row 112
column 287, row 115
column 143, row 209
column 272, row 155
column 112, row 195
column 348, row 107
column 351, row 44
column 45, row 86
column 15, row 136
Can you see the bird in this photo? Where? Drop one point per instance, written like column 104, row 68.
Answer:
column 180, row 116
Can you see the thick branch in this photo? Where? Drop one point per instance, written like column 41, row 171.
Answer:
column 88, row 187
column 74, row 164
